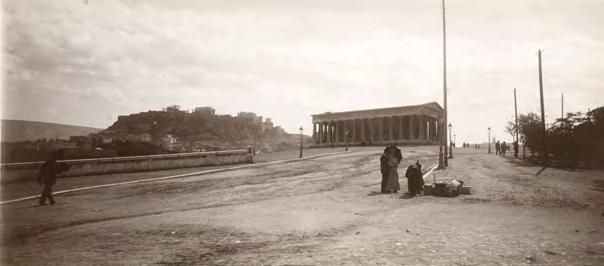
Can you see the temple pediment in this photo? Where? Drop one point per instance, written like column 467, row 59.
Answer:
column 431, row 109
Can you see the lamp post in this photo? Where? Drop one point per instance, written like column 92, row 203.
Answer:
column 301, row 129
column 441, row 163
column 346, row 136
column 254, row 143
column 489, row 139
column 450, row 143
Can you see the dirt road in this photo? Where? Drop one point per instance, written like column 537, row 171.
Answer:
column 323, row 211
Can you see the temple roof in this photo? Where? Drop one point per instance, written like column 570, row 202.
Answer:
column 431, row 109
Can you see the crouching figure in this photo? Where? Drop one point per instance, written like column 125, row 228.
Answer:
column 415, row 180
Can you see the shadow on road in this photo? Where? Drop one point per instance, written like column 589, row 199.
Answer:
column 540, row 171
column 375, row 193
column 406, row 195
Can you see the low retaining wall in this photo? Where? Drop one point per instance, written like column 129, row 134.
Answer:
column 13, row 172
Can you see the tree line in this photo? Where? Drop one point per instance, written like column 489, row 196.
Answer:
column 577, row 138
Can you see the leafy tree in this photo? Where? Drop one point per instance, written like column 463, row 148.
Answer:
column 574, row 138
column 529, row 127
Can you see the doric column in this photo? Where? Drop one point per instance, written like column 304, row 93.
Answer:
column 401, row 128
column 422, row 128
column 411, row 128
column 391, row 128
column 314, row 133
column 353, row 130
column 432, row 129
column 370, row 129
column 362, row 130
column 340, row 128
column 333, row 132
column 336, row 131
column 429, row 128
column 330, row 125
column 380, row 136
column 326, row 132
column 320, row 138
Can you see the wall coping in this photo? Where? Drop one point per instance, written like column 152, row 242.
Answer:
column 124, row 158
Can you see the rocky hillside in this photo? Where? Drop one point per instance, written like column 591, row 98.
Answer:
column 20, row 130
column 200, row 130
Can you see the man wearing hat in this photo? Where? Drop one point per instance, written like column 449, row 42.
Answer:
column 48, row 175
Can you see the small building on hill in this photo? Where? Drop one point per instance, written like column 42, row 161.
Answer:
column 205, row 110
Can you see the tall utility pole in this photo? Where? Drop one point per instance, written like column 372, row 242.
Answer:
column 445, row 85
column 516, row 127
column 543, row 133
column 562, row 107
column 489, row 139
column 516, row 115
column 301, row 141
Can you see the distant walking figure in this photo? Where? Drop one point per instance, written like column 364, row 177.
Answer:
column 48, row 175
column 503, row 148
column 497, row 148
column 515, row 149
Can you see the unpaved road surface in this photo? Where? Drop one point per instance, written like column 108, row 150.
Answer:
column 323, row 211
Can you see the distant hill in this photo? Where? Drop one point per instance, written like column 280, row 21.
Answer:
column 20, row 130
column 205, row 130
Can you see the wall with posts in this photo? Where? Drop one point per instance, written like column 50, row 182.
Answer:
column 28, row 171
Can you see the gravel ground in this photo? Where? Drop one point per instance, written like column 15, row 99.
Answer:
column 323, row 211
column 15, row 190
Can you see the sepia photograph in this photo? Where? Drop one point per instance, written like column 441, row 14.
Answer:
column 302, row 132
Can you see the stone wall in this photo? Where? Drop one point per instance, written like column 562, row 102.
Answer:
column 28, row 171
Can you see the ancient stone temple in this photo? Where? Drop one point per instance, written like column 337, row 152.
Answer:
column 413, row 124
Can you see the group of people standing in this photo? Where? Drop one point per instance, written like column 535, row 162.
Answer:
column 501, row 148
column 389, row 162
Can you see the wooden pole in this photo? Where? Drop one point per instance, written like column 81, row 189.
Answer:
column 445, row 157
column 562, row 107
column 543, row 133
column 516, row 147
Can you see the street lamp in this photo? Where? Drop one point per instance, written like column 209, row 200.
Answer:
column 489, row 139
column 450, row 143
column 441, row 143
column 346, row 136
column 301, row 129
column 254, row 143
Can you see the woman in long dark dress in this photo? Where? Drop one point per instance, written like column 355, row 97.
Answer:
column 394, row 159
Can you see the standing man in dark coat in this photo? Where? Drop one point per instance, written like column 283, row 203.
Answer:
column 497, row 148
column 48, row 175
column 516, row 149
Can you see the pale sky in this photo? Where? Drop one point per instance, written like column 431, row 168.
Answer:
column 70, row 62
